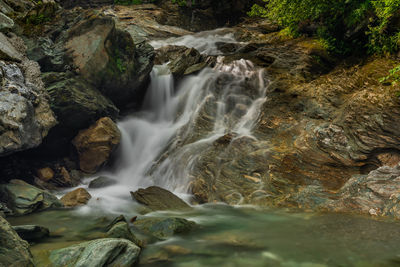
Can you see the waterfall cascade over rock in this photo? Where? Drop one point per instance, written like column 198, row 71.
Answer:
column 161, row 144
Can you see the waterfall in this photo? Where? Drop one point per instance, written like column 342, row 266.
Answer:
column 160, row 144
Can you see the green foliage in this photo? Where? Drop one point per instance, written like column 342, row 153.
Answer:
column 37, row 19
column 394, row 76
column 343, row 26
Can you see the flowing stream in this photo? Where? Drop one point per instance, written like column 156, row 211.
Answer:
column 159, row 147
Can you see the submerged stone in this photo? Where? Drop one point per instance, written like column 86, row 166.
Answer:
column 164, row 227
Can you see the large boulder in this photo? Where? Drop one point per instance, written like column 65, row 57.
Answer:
column 8, row 51
column 111, row 252
column 23, row 198
column 76, row 103
column 26, row 116
column 107, row 57
column 75, row 198
column 156, row 198
column 13, row 250
column 96, row 144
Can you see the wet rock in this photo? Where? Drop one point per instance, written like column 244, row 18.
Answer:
column 102, row 181
column 75, row 198
column 121, row 230
column 31, row 233
column 169, row 53
column 156, row 198
column 164, row 227
column 26, row 116
column 14, row 251
column 111, row 252
column 96, row 144
column 189, row 58
column 23, row 198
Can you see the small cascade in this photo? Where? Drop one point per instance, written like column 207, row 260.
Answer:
column 161, row 143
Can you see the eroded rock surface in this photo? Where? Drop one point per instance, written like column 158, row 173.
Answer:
column 96, row 144
column 26, row 116
column 14, row 251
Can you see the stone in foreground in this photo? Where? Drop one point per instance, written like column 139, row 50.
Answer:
column 13, row 250
column 76, row 198
column 111, row 252
column 156, row 198
column 23, row 198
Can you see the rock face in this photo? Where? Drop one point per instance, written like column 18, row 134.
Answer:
column 25, row 114
column 96, row 144
column 157, row 198
column 111, row 252
column 183, row 60
column 14, row 251
column 376, row 194
column 23, row 198
column 164, row 227
column 76, row 198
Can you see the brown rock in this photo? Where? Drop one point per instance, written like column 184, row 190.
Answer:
column 157, row 198
column 95, row 144
column 75, row 198
column 45, row 174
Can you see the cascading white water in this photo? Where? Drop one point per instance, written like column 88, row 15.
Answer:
column 160, row 144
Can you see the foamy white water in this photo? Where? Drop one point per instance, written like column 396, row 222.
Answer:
column 205, row 42
column 161, row 144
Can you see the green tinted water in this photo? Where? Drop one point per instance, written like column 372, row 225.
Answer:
column 231, row 236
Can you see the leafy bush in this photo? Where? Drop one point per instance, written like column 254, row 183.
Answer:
column 342, row 25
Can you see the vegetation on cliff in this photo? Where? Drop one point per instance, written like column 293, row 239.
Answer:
column 344, row 26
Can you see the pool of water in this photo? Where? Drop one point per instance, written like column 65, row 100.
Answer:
column 242, row 236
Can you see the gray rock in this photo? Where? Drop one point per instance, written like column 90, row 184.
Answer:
column 121, row 230
column 23, row 198
column 13, row 250
column 31, row 232
column 25, row 116
column 102, row 181
column 6, row 9
column 157, row 198
column 5, row 22
column 7, row 50
column 110, row 252
column 164, row 227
